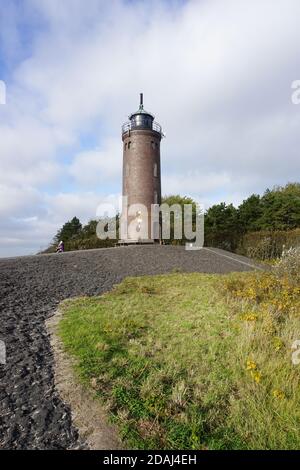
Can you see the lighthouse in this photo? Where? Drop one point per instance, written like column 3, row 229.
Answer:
column 141, row 137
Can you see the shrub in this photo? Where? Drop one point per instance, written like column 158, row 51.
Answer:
column 268, row 244
column 289, row 265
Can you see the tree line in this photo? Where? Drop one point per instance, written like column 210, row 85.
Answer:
column 277, row 210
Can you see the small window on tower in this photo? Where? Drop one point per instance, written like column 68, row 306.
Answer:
column 153, row 144
column 129, row 145
column 155, row 170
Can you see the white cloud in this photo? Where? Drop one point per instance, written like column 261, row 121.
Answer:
column 64, row 206
column 198, row 184
column 90, row 168
column 18, row 201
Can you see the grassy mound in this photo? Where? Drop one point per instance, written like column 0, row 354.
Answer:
column 193, row 361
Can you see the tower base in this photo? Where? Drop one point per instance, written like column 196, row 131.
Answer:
column 137, row 242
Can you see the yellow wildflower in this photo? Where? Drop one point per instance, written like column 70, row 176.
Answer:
column 278, row 394
column 251, row 365
column 256, row 376
column 250, row 317
column 278, row 343
column 251, row 293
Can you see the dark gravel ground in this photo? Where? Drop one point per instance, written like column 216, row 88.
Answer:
column 32, row 415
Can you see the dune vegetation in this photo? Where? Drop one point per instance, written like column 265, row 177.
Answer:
column 194, row 361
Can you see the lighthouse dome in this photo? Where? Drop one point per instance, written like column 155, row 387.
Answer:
column 141, row 118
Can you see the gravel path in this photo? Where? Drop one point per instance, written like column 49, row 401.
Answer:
column 32, row 415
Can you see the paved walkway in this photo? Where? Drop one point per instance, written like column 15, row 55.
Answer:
column 32, row 415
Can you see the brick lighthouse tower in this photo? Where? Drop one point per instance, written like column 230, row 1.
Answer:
column 141, row 137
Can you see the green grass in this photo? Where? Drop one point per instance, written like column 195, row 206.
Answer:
column 167, row 356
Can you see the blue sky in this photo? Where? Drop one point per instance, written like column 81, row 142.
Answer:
column 216, row 74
